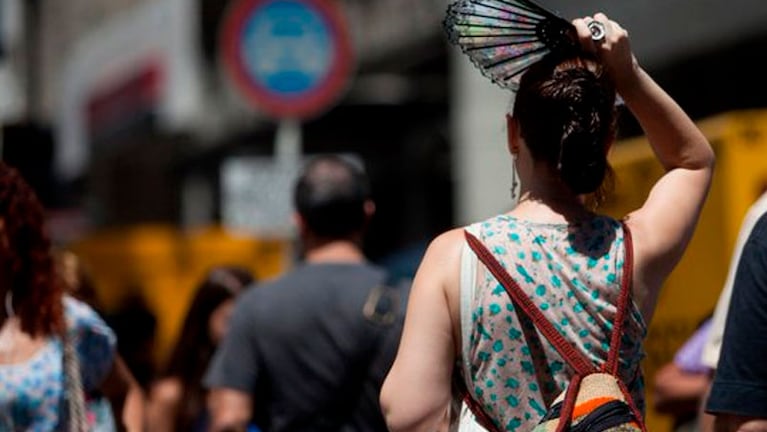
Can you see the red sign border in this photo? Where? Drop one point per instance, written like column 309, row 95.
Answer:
column 309, row 103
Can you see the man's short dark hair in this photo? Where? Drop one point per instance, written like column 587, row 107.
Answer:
column 330, row 196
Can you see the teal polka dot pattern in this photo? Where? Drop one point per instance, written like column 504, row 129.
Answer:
column 572, row 272
column 512, row 401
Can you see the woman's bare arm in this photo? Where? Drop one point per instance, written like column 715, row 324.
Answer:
column 163, row 405
column 417, row 391
column 664, row 225
column 126, row 397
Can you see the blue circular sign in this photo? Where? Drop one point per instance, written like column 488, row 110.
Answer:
column 290, row 57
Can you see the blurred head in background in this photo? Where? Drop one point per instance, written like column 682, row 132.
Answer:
column 207, row 317
column 332, row 201
column 219, row 290
column 77, row 279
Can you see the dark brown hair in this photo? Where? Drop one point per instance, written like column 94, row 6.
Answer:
column 195, row 347
column 25, row 250
column 566, row 113
column 330, row 196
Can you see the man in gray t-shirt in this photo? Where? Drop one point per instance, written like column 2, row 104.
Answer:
column 309, row 351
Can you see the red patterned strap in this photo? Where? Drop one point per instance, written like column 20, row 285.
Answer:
column 611, row 365
column 568, row 405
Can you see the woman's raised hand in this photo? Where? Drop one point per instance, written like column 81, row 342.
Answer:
column 614, row 49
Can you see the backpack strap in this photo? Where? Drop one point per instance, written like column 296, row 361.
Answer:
column 576, row 359
column 611, row 365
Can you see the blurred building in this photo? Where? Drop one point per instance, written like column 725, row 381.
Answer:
column 144, row 118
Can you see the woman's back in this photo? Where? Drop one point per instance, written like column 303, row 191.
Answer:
column 572, row 273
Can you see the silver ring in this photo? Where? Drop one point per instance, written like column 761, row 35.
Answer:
column 598, row 30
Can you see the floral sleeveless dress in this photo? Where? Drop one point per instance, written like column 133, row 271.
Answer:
column 572, row 272
column 32, row 392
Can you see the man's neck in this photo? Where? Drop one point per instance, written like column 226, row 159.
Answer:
column 338, row 251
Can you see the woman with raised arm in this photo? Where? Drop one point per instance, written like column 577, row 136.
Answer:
column 566, row 258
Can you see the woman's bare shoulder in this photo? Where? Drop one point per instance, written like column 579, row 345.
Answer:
column 446, row 246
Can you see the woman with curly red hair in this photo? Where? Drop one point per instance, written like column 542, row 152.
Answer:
column 44, row 334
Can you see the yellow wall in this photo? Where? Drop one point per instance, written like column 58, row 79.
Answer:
column 740, row 142
column 163, row 265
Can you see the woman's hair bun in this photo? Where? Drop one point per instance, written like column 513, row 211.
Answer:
column 566, row 111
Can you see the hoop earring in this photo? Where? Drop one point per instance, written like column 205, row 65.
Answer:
column 514, row 181
column 9, row 312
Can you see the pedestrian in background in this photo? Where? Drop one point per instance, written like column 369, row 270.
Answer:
column 55, row 351
column 79, row 283
column 737, row 344
column 309, row 350
column 177, row 399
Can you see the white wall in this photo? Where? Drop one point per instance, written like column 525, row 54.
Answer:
column 482, row 163
column 160, row 31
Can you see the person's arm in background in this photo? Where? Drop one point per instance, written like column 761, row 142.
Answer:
column 681, row 384
column 678, row 391
column 163, row 404
column 102, row 368
column 739, row 423
column 125, row 396
column 230, row 410
column 664, row 224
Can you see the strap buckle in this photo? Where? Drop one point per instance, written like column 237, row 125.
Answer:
column 382, row 305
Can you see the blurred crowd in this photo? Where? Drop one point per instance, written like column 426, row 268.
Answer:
column 52, row 308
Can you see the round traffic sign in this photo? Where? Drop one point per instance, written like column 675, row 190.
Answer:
column 289, row 58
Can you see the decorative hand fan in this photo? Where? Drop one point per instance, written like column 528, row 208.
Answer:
column 503, row 38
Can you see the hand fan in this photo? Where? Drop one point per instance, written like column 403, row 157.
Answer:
column 503, row 38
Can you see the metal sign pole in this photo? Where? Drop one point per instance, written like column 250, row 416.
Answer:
column 288, row 143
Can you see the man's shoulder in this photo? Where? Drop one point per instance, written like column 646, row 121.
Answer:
column 268, row 288
column 303, row 274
